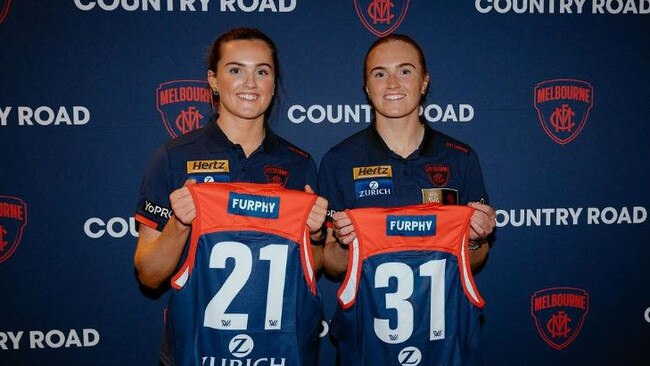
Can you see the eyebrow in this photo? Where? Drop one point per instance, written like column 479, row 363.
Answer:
column 244, row 65
column 398, row 66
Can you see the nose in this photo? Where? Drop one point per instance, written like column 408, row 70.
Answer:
column 250, row 81
column 391, row 82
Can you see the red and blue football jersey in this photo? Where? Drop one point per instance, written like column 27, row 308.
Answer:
column 247, row 290
column 409, row 297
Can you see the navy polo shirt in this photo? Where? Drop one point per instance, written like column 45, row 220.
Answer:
column 207, row 155
column 362, row 171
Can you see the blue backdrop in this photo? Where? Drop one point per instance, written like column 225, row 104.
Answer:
column 553, row 95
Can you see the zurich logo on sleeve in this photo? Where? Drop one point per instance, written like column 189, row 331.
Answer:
column 420, row 225
column 253, row 205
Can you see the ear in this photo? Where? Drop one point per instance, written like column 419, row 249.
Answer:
column 212, row 79
column 425, row 83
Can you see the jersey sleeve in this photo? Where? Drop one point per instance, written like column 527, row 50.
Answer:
column 153, row 208
column 474, row 188
column 311, row 177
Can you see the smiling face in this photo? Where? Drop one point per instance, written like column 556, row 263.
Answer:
column 244, row 77
column 395, row 79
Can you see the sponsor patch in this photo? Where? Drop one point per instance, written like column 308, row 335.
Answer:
column 183, row 105
column 253, row 205
column 563, row 106
column 373, row 187
column 420, row 225
column 376, row 171
column 438, row 174
column 276, row 174
column 13, row 219
column 156, row 210
column 559, row 313
column 444, row 196
column 208, row 170
column 381, row 17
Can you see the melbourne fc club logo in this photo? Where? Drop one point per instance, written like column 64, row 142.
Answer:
column 438, row 173
column 184, row 105
column 4, row 9
column 563, row 107
column 13, row 219
column 559, row 314
column 275, row 174
column 381, row 17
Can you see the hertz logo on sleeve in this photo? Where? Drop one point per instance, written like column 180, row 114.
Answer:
column 208, row 166
column 377, row 171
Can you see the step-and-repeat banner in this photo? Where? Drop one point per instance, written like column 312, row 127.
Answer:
column 554, row 95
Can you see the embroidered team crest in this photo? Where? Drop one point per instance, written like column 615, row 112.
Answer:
column 438, row 173
column 563, row 107
column 381, row 17
column 275, row 174
column 184, row 105
column 13, row 219
column 4, row 9
column 559, row 314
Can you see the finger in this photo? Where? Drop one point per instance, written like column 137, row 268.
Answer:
column 308, row 189
column 189, row 181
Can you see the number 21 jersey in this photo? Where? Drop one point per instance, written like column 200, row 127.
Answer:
column 409, row 297
column 246, row 293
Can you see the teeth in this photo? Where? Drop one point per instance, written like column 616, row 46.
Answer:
column 247, row 96
column 394, row 96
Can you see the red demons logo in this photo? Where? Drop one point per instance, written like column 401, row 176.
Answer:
column 559, row 314
column 275, row 174
column 4, row 9
column 563, row 107
column 13, row 219
column 438, row 173
column 183, row 105
column 381, row 17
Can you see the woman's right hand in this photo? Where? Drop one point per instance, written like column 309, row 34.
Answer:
column 183, row 204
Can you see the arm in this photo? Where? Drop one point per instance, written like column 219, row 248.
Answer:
column 158, row 253
column 336, row 251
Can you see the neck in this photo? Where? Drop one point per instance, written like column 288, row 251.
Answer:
column 249, row 134
column 403, row 135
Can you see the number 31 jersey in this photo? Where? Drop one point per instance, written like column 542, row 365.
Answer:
column 409, row 297
column 246, row 293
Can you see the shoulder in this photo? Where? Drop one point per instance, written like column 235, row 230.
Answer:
column 291, row 150
column 350, row 146
column 185, row 141
column 449, row 144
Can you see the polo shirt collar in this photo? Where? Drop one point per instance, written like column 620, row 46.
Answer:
column 220, row 142
column 378, row 150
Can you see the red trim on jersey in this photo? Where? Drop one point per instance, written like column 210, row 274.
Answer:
column 146, row 222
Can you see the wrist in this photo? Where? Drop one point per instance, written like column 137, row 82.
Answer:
column 318, row 237
column 475, row 244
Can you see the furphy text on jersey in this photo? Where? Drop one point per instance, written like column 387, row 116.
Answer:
column 252, row 205
column 274, row 6
column 410, row 225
